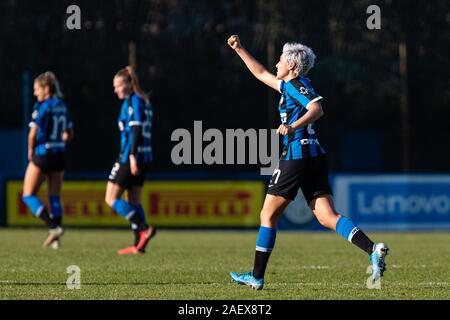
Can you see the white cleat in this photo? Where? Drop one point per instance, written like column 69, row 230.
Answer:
column 55, row 244
column 53, row 236
column 380, row 251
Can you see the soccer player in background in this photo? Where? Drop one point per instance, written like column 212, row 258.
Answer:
column 50, row 131
column 303, row 163
column 128, row 173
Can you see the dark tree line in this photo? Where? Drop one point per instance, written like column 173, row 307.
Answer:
column 182, row 59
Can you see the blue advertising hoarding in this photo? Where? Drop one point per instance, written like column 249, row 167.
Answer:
column 382, row 203
column 395, row 202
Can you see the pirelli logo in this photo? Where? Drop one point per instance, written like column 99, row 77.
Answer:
column 201, row 203
column 174, row 203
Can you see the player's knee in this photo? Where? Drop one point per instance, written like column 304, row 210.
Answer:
column 328, row 220
column 325, row 220
column 267, row 218
column 109, row 200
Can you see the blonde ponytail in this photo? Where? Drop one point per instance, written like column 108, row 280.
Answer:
column 48, row 79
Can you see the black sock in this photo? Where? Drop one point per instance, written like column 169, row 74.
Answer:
column 261, row 260
column 136, row 237
column 44, row 216
column 57, row 221
column 136, row 221
column 362, row 241
column 137, row 225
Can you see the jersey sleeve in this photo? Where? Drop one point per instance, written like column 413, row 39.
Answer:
column 38, row 115
column 302, row 93
column 121, row 121
column 137, row 117
column 281, row 86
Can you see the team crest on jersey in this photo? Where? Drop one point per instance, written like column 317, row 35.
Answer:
column 304, row 91
column 130, row 110
column 35, row 114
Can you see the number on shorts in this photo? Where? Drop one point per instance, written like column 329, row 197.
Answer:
column 276, row 173
column 114, row 170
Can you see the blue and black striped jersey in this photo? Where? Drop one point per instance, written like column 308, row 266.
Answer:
column 51, row 118
column 136, row 112
column 296, row 96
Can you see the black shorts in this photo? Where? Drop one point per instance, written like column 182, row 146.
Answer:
column 310, row 174
column 121, row 175
column 52, row 162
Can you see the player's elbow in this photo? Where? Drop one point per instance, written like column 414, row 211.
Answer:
column 68, row 135
column 32, row 133
column 320, row 113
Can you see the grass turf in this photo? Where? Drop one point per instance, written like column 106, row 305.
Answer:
column 195, row 264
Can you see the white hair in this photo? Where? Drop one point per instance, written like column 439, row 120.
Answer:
column 303, row 57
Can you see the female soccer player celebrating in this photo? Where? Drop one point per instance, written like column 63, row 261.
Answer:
column 128, row 173
column 50, row 130
column 303, row 163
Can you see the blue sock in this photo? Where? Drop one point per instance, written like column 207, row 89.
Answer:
column 346, row 228
column 36, row 206
column 124, row 209
column 55, row 206
column 264, row 246
column 140, row 211
column 266, row 239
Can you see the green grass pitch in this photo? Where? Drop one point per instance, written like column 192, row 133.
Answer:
column 185, row 265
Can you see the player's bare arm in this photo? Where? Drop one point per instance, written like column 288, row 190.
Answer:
column 68, row 135
column 256, row 68
column 314, row 113
column 133, row 165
